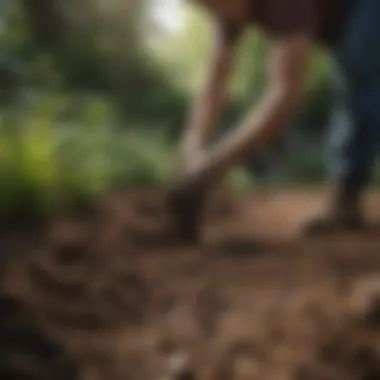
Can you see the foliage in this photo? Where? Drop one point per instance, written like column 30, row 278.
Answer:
column 94, row 95
column 59, row 154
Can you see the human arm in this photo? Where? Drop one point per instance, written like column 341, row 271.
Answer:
column 208, row 105
column 289, row 57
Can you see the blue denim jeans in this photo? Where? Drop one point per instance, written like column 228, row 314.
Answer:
column 355, row 132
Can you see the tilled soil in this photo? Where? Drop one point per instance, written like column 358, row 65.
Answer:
column 255, row 300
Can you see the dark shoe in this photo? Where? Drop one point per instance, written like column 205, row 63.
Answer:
column 329, row 224
column 344, row 213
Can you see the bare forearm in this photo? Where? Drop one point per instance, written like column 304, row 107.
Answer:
column 208, row 106
column 206, row 112
column 257, row 130
column 288, row 64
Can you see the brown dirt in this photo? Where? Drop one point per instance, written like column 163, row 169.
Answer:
column 255, row 300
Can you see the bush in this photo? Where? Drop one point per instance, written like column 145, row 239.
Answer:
column 59, row 151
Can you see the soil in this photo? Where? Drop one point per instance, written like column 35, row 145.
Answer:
column 255, row 300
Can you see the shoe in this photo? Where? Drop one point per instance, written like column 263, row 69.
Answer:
column 344, row 213
column 328, row 224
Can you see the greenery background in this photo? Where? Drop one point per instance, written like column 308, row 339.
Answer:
column 94, row 95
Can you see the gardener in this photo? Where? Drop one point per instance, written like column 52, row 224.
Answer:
column 350, row 30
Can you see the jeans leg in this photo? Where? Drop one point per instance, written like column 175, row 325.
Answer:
column 356, row 121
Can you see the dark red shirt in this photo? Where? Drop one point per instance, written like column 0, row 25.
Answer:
column 323, row 18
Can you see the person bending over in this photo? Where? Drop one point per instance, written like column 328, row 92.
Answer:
column 350, row 31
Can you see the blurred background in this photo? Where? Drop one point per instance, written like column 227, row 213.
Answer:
column 94, row 95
